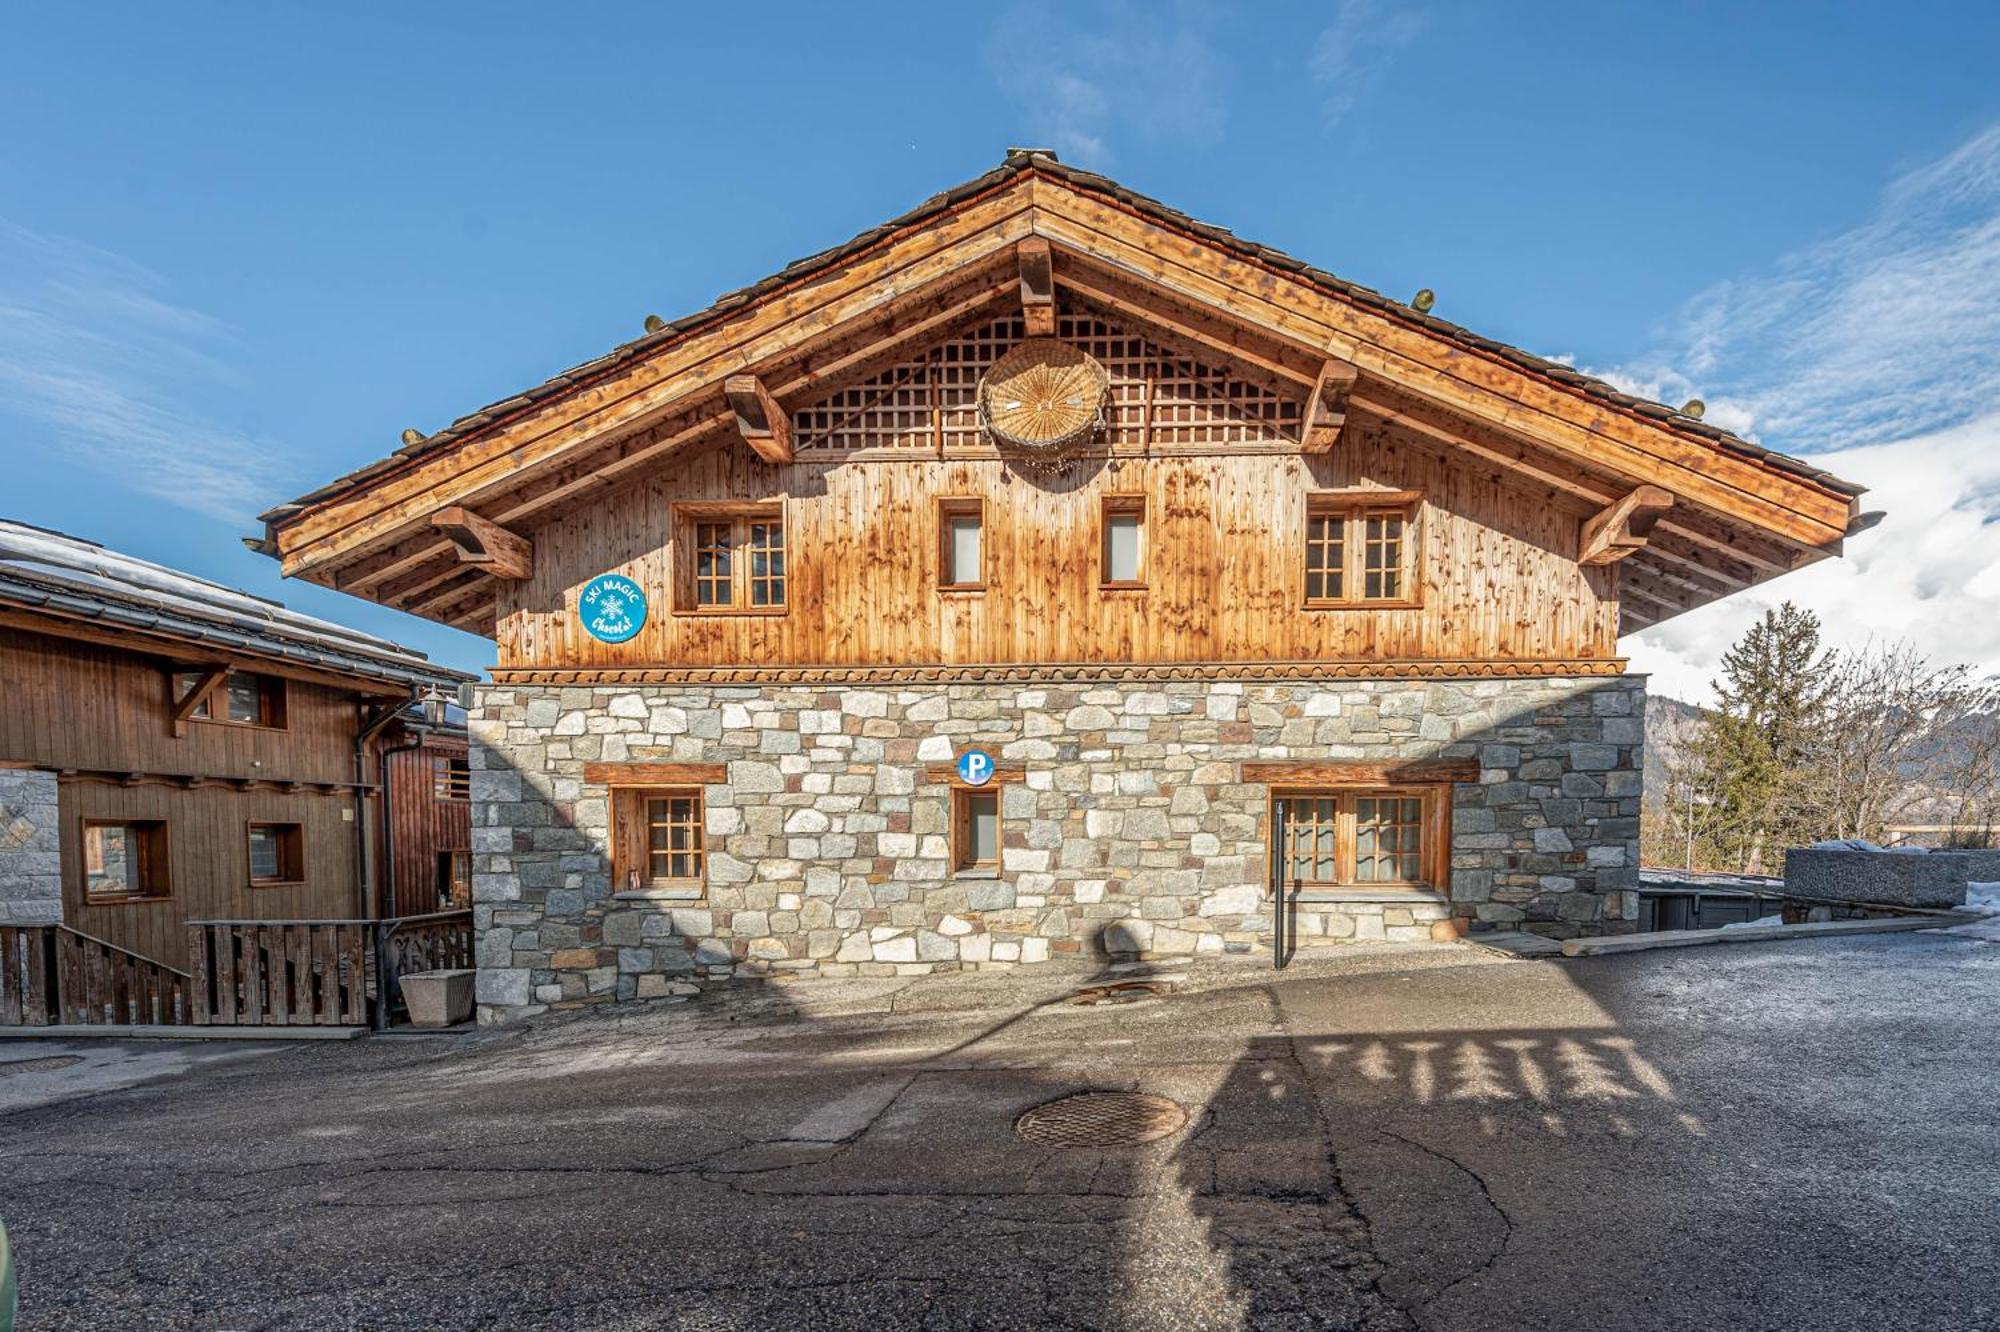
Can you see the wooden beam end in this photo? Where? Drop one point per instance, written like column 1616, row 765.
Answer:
column 484, row 544
column 763, row 425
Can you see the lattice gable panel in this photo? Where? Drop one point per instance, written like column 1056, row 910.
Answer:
column 1158, row 396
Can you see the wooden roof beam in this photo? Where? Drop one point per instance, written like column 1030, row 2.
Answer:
column 1176, row 320
column 1673, row 600
column 485, row 545
column 400, row 571
column 1490, row 389
column 1770, row 554
column 759, row 420
column 198, row 693
column 1038, row 286
column 634, row 394
column 1624, row 527
column 1326, row 408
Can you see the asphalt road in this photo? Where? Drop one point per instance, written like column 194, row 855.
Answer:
column 1797, row 1135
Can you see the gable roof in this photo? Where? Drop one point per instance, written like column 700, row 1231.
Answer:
column 65, row 578
column 1019, row 161
column 331, row 533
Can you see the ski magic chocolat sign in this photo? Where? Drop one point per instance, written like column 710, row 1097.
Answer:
column 612, row 608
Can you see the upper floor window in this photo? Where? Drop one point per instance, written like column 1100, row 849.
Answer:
column 277, row 854
column 242, row 699
column 733, row 557
column 451, row 779
column 962, row 544
column 1122, row 545
column 1361, row 548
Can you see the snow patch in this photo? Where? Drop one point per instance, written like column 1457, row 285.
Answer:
column 1757, row 924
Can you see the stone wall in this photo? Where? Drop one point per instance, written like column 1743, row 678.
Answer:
column 30, row 848
column 829, row 845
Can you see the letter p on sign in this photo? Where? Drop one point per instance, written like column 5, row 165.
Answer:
column 975, row 768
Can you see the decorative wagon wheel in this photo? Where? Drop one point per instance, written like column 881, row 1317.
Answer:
column 1045, row 398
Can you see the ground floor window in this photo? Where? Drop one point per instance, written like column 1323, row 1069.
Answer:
column 660, row 838
column 1357, row 838
column 454, row 880
column 124, row 861
column 277, row 854
column 975, row 827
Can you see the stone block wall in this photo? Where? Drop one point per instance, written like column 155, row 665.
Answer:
column 1132, row 831
column 30, row 848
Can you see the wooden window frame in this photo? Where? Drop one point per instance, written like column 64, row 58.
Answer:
column 1123, row 504
column 1353, row 508
column 271, row 699
column 1434, row 852
column 962, row 859
column 960, row 506
column 451, row 778
column 631, row 856
column 291, row 854
column 156, row 874
column 688, row 518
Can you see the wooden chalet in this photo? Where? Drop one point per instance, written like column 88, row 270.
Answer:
column 1273, row 609
column 188, row 771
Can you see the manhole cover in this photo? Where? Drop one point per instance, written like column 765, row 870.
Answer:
column 1120, row 992
column 1101, row 1119
column 44, row 1065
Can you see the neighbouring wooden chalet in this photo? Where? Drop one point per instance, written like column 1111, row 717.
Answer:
column 1046, row 572
column 200, row 789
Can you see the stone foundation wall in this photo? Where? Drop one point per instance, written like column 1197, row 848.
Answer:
column 30, row 848
column 829, row 845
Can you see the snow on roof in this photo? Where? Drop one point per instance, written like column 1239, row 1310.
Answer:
column 70, row 578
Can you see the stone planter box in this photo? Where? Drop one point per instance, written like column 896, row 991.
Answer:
column 1886, row 877
column 438, row 998
column 1982, row 866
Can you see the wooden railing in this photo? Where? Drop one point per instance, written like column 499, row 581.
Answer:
column 280, row 972
column 316, row 972
column 437, row 941
column 242, row 972
column 54, row 974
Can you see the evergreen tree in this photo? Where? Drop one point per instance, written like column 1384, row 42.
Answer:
column 1760, row 744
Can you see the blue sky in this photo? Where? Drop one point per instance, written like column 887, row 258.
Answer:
column 242, row 247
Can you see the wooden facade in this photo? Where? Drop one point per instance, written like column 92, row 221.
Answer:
column 116, row 721
column 1551, row 513
column 426, row 823
column 1224, row 531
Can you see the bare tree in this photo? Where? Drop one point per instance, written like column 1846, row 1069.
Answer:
column 1904, row 742
column 1883, row 740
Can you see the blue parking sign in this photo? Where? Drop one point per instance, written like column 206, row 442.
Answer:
column 975, row 767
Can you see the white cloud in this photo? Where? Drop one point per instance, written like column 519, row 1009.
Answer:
column 1886, row 331
column 1149, row 73
column 1877, row 354
column 91, row 351
column 1351, row 52
column 1930, row 574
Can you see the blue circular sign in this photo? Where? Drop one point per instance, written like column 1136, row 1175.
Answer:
column 975, row 767
column 612, row 608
